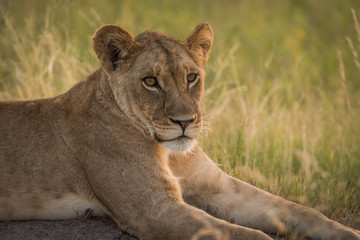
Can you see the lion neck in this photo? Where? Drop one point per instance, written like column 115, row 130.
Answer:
column 126, row 103
column 95, row 96
column 119, row 102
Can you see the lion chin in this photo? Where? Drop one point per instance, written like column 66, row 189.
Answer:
column 180, row 144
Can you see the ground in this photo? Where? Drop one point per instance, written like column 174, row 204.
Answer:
column 96, row 228
column 79, row 229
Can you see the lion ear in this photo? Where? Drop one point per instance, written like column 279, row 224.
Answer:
column 199, row 43
column 113, row 44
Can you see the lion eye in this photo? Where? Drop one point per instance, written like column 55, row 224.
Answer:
column 150, row 81
column 191, row 77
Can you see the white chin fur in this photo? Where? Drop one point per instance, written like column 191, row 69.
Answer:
column 179, row 145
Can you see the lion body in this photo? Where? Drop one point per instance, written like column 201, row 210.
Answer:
column 122, row 143
column 40, row 171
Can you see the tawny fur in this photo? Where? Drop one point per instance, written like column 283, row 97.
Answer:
column 116, row 145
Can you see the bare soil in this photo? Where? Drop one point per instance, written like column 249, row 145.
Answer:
column 95, row 228
column 79, row 229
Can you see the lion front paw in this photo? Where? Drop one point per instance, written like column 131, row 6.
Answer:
column 346, row 234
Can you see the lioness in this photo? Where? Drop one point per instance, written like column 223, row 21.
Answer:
column 122, row 143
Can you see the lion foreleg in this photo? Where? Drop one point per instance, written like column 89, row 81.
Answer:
column 143, row 197
column 205, row 186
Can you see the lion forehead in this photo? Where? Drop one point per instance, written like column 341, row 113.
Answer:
column 162, row 49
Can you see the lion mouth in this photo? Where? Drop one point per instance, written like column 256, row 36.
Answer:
column 181, row 138
column 177, row 144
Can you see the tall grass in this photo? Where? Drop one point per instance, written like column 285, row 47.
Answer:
column 281, row 104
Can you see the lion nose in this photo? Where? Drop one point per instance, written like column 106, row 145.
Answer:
column 183, row 123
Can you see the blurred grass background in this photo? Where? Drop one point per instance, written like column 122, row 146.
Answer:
column 282, row 98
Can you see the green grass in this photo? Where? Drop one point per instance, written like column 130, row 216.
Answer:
column 282, row 98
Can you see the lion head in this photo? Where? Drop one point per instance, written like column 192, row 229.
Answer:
column 157, row 80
